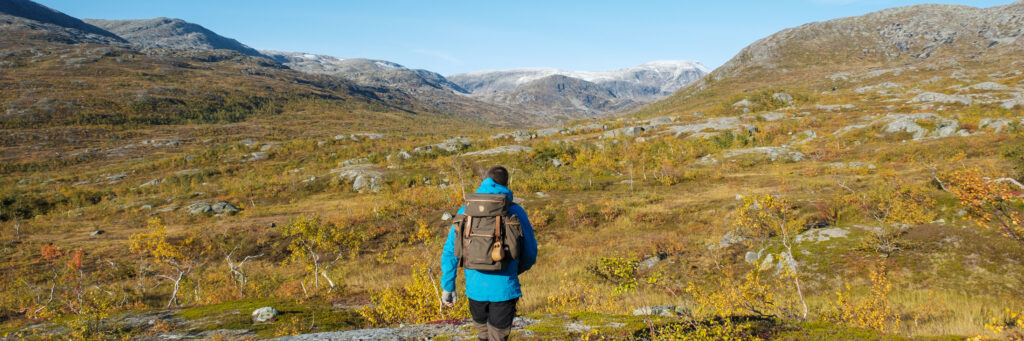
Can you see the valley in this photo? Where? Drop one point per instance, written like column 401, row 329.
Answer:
column 857, row 178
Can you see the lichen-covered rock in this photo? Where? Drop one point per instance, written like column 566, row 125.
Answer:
column 264, row 314
column 513, row 149
column 773, row 154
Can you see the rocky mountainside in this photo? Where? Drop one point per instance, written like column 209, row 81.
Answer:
column 562, row 97
column 928, row 45
column 23, row 17
column 170, row 33
column 366, row 71
column 644, row 82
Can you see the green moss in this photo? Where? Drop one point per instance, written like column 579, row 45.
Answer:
column 237, row 315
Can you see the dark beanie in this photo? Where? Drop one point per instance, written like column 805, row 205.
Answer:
column 499, row 174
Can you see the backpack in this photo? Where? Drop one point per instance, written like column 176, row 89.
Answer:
column 489, row 237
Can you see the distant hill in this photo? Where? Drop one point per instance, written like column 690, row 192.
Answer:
column 648, row 81
column 170, row 33
column 924, row 43
column 562, row 97
column 41, row 22
column 365, row 71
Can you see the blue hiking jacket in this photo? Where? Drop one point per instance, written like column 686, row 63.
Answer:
column 491, row 286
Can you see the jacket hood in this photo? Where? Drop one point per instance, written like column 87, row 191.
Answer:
column 488, row 186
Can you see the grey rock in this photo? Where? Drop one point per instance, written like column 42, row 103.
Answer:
column 199, row 208
column 264, row 314
column 96, row 233
column 934, row 97
column 786, row 261
column 772, row 116
column 116, row 177
column 557, row 163
column 659, row 310
column 751, row 257
column 256, row 156
column 446, row 216
column 363, row 177
column 782, row 97
column 248, row 142
column 541, row 194
column 990, row 86
column 628, row 131
column 772, row 154
column 650, row 262
column 880, row 86
column 223, row 207
column 730, row 238
column 852, row 165
column 995, row 124
column 742, row 103
column 548, row 132
column 514, row 149
column 356, row 161
column 713, row 124
column 768, row 262
column 187, row 172
column 820, row 235
column 169, row 33
column 268, row 147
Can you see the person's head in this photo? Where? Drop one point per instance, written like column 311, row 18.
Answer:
column 499, row 174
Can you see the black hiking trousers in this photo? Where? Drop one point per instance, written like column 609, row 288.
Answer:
column 493, row 320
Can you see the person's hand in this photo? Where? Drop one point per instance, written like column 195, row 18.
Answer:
column 448, row 298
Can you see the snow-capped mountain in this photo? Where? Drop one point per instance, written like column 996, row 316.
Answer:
column 645, row 82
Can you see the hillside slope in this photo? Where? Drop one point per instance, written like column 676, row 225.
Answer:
column 170, row 33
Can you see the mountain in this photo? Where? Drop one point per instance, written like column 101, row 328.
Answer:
column 645, row 82
column 23, row 18
column 170, row 33
column 926, row 46
column 366, row 71
column 562, row 97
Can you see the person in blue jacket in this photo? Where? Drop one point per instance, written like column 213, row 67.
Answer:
column 492, row 294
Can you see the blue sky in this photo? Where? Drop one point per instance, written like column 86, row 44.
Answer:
column 459, row 36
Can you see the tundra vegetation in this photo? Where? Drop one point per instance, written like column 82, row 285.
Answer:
column 736, row 213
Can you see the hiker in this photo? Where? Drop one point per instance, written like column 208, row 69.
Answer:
column 494, row 242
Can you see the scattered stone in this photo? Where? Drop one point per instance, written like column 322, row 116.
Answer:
column 835, row 107
column 820, row 235
column 786, row 261
column 541, row 194
column 772, row 116
column 768, row 262
column 782, row 97
column 841, row 76
column 751, row 257
column 270, row 146
column 153, row 182
column 264, row 314
column 852, row 165
column 996, row 124
column 513, row 149
column 742, row 103
column 934, row 97
column 146, row 207
column 356, row 161
column 248, row 142
column 557, row 162
column 730, row 238
column 990, row 86
column 785, row 154
column 548, row 132
column 223, row 207
column 199, row 208
column 714, row 124
column 256, row 156
column 808, row 136
column 661, row 310
column 446, row 216
column 116, row 177
column 96, row 233
column 628, row 131
column 880, row 86
column 363, row 177
column 311, row 179
column 899, row 123
column 650, row 262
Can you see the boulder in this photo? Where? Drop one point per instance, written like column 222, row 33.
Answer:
column 223, row 207
column 96, row 233
column 627, row 131
column 713, row 124
column 782, row 97
column 269, row 146
column 820, row 235
column 199, row 208
column 548, row 132
column 773, row 154
column 650, row 262
column 264, row 314
column 453, row 144
column 742, row 103
column 730, row 238
column 557, row 163
column 662, row 310
column 256, row 156
column 990, row 86
column 996, row 124
column 934, row 97
column 446, row 216
column 772, row 116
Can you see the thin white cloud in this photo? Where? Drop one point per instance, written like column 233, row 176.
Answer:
column 439, row 55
